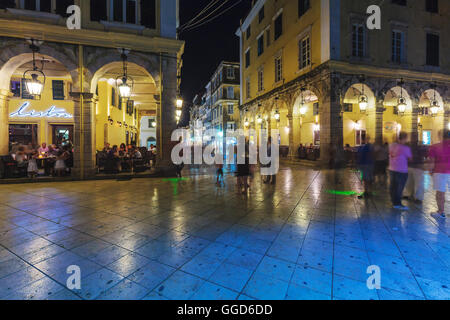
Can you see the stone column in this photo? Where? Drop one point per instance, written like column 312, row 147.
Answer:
column 331, row 122
column 84, row 135
column 414, row 131
column 379, row 121
column 4, row 122
column 166, row 115
column 291, row 136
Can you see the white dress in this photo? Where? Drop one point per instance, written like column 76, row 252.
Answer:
column 32, row 166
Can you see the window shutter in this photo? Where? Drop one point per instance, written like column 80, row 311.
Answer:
column 7, row 4
column 62, row 5
column 58, row 89
column 46, row 6
column 98, row 10
column 148, row 13
column 432, row 49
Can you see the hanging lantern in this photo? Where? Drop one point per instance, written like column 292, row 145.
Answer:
column 33, row 85
column 277, row 115
column 246, row 123
column 179, row 103
column 434, row 103
column 363, row 101
column 259, row 120
column 303, row 108
column 125, row 83
column 178, row 112
column 401, row 106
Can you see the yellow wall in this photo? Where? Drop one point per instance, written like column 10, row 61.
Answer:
column 288, row 43
column 115, row 134
column 44, row 103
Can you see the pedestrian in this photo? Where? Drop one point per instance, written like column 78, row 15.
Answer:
column 399, row 154
column 272, row 179
column 440, row 154
column 365, row 163
column 381, row 155
column 219, row 174
column 414, row 189
column 243, row 170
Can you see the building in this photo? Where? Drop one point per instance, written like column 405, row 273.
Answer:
column 81, row 100
column 315, row 71
column 218, row 107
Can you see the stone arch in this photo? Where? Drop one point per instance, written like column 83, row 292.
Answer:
column 12, row 56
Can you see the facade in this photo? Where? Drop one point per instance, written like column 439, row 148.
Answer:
column 306, row 66
column 218, row 107
column 80, row 100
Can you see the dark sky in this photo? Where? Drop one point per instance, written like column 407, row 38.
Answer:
column 209, row 44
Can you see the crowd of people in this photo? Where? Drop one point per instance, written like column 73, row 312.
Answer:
column 406, row 161
column 55, row 160
column 123, row 156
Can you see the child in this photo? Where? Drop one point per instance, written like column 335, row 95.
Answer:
column 32, row 165
column 60, row 165
column 219, row 173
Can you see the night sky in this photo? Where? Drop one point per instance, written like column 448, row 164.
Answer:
column 208, row 45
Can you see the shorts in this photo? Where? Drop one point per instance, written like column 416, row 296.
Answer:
column 441, row 181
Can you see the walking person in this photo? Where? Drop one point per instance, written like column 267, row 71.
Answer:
column 414, row 189
column 399, row 154
column 381, row 155
column 272, row 179
column 365, row 162
column 440, row 155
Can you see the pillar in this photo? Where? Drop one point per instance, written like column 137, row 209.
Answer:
column 379, row 121
column 84, row 135
column 166, row 113
column 331, row 122
column 291, row 136
column 4, row 122
column 414, row 130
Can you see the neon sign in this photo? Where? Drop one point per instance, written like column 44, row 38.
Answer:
column 51, row 112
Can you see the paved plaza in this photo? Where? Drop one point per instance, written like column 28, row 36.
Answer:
column 308, row 237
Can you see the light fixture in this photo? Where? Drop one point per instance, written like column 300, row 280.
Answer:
column 401, row 106
column 33, row 85
column 125, row 83
column 153, row 124
column 277, row 115
column 178, row 112
column 434, row 104
column 363, row 101
column 259, row 120
column 246, row 123
column 303, row 108
column 111, row 121
column 179, row 103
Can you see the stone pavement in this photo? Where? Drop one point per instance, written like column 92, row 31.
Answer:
column 189, row 239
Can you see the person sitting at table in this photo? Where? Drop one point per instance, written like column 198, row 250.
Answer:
column 21, row 157
column 43, row 149
column 122, row 150
column 60, row 164
column 107, row 147
column 114, row 158
column 33, row 169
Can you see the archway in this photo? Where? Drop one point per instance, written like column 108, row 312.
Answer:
column 359, row 114
column 395, row 119
column 306, row 119
column 431, row 118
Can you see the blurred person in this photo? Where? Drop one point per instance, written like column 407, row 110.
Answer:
column 33, row 169
column 365, row 163
column 21, row 157
column 381, row 155
column 440, row 155
column 272, row 179
column 414, row 189
column 219, row 173
column 399, row 154
column 43, row 149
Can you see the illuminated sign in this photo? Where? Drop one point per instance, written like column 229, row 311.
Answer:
column 51, row 112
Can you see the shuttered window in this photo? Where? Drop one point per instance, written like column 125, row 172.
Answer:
column 99, row 10
column 58, row 89
column 148, row 14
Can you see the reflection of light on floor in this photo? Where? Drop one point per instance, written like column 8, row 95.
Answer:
column 344, row 193
column 174, row 182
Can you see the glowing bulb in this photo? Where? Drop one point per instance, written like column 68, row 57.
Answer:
column 179, row 103
column 34, row 86
column 363, row 103
column 303, row 110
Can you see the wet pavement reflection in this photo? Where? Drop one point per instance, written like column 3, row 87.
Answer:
column 308, row 237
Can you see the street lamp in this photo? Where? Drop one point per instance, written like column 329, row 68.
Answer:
column 124, row 83
column 259, row 119
column 363, row 101
column 33, row 85
column 401, row 106
column 277, row 115
column 246, row 123
column 303, row 108
column 434, row 104
column 179, row 104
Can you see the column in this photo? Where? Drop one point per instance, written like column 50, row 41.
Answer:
column 379, row 121
column 166, row 114
column 331, row 123
column 4, row 122
column 414, row 130
column 291, row 136
column 84, row 135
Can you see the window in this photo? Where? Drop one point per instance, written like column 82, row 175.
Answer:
column 36, row 5
column 397, row 46
column 360, row 137
column 124, row 11
column 249, row 32
column 358, row 40
column 316, row 109
column 247, row 58
column 399, row 2
column 278, row 69
column 279, row 26
column 260, row 79
column 432, row 49
column 113, row 97
column 261, row 14
column 304, row 52
column 148, row 14
column 15, row 88
column 348, row 107
column 303, row 6
column 62, row 5
column 230, row 109
column 432, row 6
column 230, row 93
column 7, row 4
column 58, row 89
column 261, row 44
column 247, row 88
column 99, row 10
column 268, row 36
column 230, row 73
